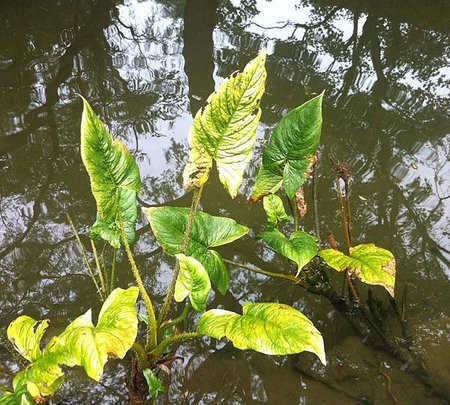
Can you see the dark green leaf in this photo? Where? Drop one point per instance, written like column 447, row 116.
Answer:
column 155, row 385
column 301, row 247
column 169, row 223
column 290, row 151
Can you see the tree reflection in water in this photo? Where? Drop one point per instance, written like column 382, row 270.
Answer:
column 147, row 67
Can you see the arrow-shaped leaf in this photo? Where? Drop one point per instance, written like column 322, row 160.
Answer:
column 26, row 336
column 225, row 129
column 290, row 151
column 81, row 343
column 114, row 179
column 273, row 205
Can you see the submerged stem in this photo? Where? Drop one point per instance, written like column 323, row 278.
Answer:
column 187, row 232
column 295, row 213
column 315, row 205
column 113, row 271
column 152, row 328
column 86, row 260
column 343, row 215
column 255, row 269
column 99, row 269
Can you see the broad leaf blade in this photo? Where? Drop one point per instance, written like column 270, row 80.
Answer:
column 193, row 281
column 290, row 151
column 169, row 223
column 269, row 328
column 90, row 346
column 273, row 205
column 26, row 336
column 81, row 343
column 225, row 129
column 371, row 264
column 301, row 247
column 114, row 177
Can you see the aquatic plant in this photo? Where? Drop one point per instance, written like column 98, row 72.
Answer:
column 224, row 132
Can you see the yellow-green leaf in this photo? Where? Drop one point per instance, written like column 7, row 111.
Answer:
column 193, row 281
column 114, row 179
column 90, row 346
column 273, row 205
column 225, row 129
column 371, row 264
column 26, row 336
column 81, row 343
column 269, row 328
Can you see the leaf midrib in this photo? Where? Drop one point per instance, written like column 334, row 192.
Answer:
column 216, row 149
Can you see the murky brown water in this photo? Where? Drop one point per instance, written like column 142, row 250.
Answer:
column 144, row 65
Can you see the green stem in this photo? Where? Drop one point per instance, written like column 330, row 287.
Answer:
column 99, row 269
column 141, row 354
column 113, row 271
column 159, row 351
column 187, row 232
column 86, row 260
column 284, row 276
column 152, row 328
column 104, row 261
column 295, row 213
column 176, row 320
column 315, row 206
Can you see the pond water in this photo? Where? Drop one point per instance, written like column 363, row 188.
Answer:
column 147, row 66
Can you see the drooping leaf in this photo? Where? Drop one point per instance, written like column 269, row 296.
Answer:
column 225, row 129
column 269, row 328
column 193, row 281
column 371, row 264
column 155, row 385
column 301, row 247
column 169, row 223
column 41, row 379
column 20, row 395
column 273, row 205
column 26, row 336
column 290, row 151
column 90, row 346
column 114, row 179
column 81, row 343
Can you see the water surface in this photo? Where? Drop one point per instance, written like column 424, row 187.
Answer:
column 147, row 67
